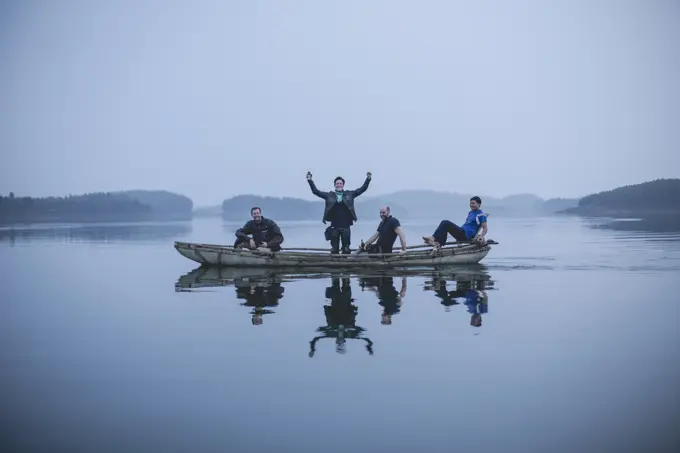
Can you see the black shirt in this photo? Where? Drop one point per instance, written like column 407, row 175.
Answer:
column 387, row 233
column 265, row 231
column 341, row 217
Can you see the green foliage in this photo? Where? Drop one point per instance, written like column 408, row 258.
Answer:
column 101, row 206
column 238, row 208
column 162, row 201
column 135, row 205
column 660, row 194
column 286, row 208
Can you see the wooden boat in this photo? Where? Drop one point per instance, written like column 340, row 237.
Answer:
column 419, row 255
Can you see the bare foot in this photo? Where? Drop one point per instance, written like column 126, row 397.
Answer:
column 429, row 240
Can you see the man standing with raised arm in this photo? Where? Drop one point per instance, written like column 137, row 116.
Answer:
column 339, row 210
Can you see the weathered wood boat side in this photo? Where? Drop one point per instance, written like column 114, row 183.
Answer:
column 222, row 255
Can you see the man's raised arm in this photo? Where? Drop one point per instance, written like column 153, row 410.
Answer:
column 312, row 186
column 364, row 186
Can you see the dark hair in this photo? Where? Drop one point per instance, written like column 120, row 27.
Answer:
column 339, row 178
column 477, row 199
column 254, row 208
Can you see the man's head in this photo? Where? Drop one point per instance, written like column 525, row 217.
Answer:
column 384, row 212
column 339, row 183
column 256, row 214
column 475, row 203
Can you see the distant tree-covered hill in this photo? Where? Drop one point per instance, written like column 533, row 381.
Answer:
column 286, row 208
column 164, row 205
column 554, row 205
column 658, row 197
column 407, row 204
column 130, row 206
column 99, row 207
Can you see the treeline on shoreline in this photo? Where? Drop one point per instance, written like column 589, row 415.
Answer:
column 653, row 198
column 125, row 206
column 658, row 198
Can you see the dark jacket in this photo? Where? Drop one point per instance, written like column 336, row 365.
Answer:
column 265, row 231
column 347, row 198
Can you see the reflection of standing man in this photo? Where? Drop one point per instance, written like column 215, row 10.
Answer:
column 340, row 318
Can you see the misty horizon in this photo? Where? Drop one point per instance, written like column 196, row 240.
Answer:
column 216, row 99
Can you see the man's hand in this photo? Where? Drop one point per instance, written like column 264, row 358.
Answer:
column 252, row 243
column 368, row 175
column 402, row 251
column 309, row 176
column 264, row 244
column 480, row 240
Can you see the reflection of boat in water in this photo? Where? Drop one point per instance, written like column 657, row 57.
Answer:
column 262, row 289
column 421, row 255
column 229, row 276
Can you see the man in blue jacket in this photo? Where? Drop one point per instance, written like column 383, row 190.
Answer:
column 474, row 227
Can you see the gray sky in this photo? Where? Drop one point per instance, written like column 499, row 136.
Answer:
column 216, row 98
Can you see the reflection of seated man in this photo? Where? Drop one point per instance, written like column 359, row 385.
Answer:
column 386, row 234
column 438, row 285
column 263, row 233
column 390, row 299
column 340, row 318
column 260, row 297
column 477, row 302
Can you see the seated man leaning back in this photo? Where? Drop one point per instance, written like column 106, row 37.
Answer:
column 259, row 232
column 386, row 234
column 473, row 228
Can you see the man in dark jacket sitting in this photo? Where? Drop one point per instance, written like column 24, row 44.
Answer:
column 263, row 233
column 339, row 210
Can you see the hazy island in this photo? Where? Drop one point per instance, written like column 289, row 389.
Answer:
column 408, row 204
column 125, row 206
column 652, row 199
column 643, row 200
column 656, row 198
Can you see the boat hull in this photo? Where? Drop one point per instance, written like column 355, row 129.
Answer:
column 226, row 256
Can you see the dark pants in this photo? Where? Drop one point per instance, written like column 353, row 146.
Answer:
column 379, row 248
column 335, row 235
column 246, row 244
column 448, row 227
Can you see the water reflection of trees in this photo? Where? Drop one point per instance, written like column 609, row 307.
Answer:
column 161, row 231
column 651, row 224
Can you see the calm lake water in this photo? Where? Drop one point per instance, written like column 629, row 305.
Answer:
column 564, row 340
